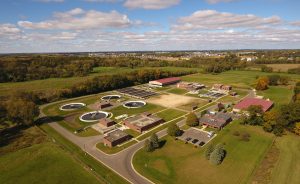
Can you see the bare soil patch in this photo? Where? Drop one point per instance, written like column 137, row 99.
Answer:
column 172, row 100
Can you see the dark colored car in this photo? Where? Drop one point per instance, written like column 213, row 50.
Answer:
column 188, row 139
column 194, row 141
column 201, row 143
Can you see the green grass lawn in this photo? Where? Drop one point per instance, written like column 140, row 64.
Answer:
column 177, row 91
column 170, row 114
column 238, row 79
column 147, row 108
column 278, row 94
column 287, row 168
column 177, row 162
column 44, row 163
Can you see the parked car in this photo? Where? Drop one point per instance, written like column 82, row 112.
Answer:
column 201, row 143
column 211, row 134
column 188, row 139
column 195, row 141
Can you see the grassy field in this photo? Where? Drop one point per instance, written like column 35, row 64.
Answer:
column 103, row 173
column 283, row 67
column 46, row 163
column 177, row 91
column 170, row 114
column 238, row 79
column 177, row 162
column 278, row 94
column 123, row 110
column 61, row 83
column 287, row 168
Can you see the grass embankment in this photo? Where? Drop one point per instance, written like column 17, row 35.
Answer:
column 177, row 162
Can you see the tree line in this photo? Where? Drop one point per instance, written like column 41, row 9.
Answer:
column 15, row 69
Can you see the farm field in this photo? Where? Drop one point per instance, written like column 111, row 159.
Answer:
column 177, row 162
column 238, row 79
column 283, row 67
column 61, row 83
column 43, row 162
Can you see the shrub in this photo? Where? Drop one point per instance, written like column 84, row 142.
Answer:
column 192, row 120
column 208, row 151
column 236, row 133
column 217, row 156
column 148, row 146
column 173, row 130
column 154, row 141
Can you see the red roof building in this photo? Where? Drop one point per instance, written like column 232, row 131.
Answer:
column 164, row 82
column 244, row 104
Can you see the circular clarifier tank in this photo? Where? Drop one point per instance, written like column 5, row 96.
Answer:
column 134, row 104
column 111, row 97
column 72, row 106
column 94, row 116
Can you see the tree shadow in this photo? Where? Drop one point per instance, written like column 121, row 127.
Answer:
column 162, row 143
column 48, row 119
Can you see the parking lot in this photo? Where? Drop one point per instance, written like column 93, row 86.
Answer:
column 195, row 136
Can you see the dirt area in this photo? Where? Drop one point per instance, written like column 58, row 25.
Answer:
column 172, row 100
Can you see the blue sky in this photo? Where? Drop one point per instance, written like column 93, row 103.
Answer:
column 117, row 25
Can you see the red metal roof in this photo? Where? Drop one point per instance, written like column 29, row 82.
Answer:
column 244, row 104
column 168, row 80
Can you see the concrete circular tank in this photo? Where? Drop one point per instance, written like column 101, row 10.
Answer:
column 72, row 106
column 134, row 104
column 93, row 116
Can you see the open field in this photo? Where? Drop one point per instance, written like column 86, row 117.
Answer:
column 287, row 167
column 283, row 67
column 239, row 79
column 171, row 100
column 177, row 91
column 45, row 163
column 170, row 114
column 278, row 94
column 103, row 173
column 61, row 83
column 177, row 162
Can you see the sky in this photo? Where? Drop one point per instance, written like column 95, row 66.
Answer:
column 28, row 26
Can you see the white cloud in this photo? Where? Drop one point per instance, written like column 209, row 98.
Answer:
column 78, row 19
column 150, row 4
column 218, row 1
column 9, row 31
column 214, row 20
